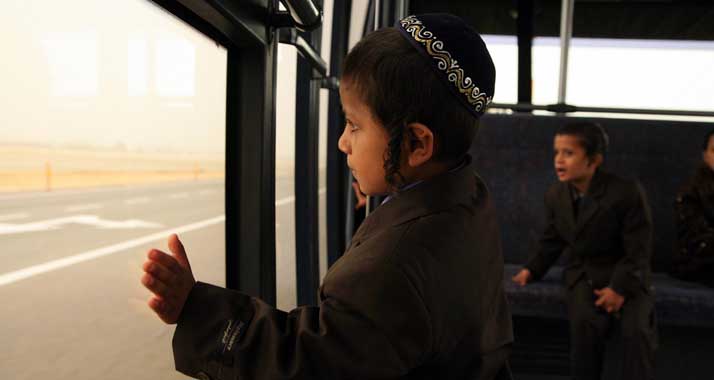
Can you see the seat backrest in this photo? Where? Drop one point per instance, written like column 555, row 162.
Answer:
column 513, row 153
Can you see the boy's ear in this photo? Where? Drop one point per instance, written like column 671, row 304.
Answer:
column 597, row 160
column 420, row 144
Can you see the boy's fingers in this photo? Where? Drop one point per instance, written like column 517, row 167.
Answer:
column 159, row 271
column 600, row 301
column 178, row 251
column 156, row 305
column 165, row 259
column 155, row 286
column 162, row 309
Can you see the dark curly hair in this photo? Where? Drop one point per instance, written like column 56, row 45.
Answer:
column 398, row 85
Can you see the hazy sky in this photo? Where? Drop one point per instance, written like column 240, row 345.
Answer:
column 135, row 76
column 127, row 73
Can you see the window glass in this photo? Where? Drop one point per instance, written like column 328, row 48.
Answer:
column 626, row 73
column 112, row 136
column 504, row 53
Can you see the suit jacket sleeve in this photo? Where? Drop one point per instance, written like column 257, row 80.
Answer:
column 373, row 325
column 692, row 225
column 632, row 270
column 550, row 245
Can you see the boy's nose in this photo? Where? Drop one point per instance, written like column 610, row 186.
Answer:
column 343, row 142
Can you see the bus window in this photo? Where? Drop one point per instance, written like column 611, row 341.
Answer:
column 112, row 136
column 504, row 52
column 627, row 73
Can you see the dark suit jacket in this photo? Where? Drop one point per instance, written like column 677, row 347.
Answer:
column 418, row 294
column 694, row 207
column 610, row 242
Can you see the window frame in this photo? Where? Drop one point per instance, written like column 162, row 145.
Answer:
column 241, row 27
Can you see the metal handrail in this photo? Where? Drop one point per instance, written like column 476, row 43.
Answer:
column 291, row 37
column 567, row 108
column 304, row 13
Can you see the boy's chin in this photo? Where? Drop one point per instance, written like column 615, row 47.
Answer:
column 563, row 178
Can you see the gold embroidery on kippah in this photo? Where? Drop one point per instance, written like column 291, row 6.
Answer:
column 444, row 61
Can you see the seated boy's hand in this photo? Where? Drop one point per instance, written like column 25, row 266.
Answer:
column 609, row 300
column 170, row 278
column 522, row 277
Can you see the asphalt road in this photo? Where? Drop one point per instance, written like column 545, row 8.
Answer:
column 71, row 305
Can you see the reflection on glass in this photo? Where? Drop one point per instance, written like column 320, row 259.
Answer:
column 137, row 66
column 112, row 136
column 175, row 74
column 72, row 61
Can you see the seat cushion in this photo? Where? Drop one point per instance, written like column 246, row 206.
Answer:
column 677, row 302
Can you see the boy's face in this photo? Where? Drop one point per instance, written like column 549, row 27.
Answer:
column 364, row 141
column 708, row 155
column 571, row 162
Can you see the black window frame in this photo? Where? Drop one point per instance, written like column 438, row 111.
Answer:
column 243, row 29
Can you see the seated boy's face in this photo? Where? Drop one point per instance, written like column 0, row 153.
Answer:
column 571, row 161
column 364, row 141
column 708, row 155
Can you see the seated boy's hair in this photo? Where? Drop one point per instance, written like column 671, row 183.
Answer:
column 400, row 87
column 705, row 143
column 592, row 137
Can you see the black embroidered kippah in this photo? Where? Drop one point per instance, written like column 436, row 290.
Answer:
column 458, row 55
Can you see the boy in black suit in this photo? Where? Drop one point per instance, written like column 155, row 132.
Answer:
column 419, row 292
column 603, row 223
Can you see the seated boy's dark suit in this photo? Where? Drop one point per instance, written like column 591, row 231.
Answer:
column 694, row 206
column 607, row 237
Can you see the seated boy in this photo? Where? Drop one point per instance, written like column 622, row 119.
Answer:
column 602, row 222
column 694, row 210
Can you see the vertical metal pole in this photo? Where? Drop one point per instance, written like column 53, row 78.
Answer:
column 401, row 9
column 566, row 34
column 307, row 109
column 338, row 182
column 525, row 51
column 377, row 6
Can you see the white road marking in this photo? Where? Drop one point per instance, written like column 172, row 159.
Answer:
column 9, row 278
column 136, row 201
column 90, row 220
column 178, row 195
column 19, row 215
column 291, row 199
column 85, row 207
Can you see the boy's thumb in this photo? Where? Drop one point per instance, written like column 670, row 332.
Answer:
column 178, row 251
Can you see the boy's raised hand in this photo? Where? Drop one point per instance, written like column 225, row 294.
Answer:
column 170, row 278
